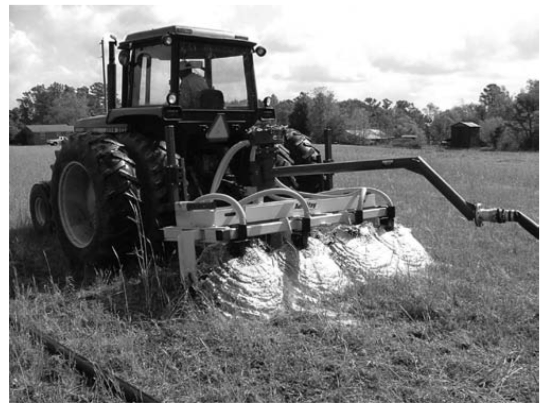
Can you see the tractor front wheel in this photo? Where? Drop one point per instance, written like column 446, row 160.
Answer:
column 40, row 208
column 95, row 200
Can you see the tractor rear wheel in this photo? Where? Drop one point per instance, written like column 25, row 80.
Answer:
column 94, row 199
column 151, row 159
column 283, row 158
column 106, row 193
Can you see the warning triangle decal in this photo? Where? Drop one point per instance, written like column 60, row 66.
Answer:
column 219, row 131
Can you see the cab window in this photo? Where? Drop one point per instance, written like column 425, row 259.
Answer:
column 151, row 73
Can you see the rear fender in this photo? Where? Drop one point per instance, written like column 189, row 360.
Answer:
column 98, row 124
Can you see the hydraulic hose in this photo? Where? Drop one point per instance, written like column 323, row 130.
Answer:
column 527, row 223
column 224, row 164
column 116, row 385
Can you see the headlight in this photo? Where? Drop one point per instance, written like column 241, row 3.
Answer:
column 260, row 51
column 124, row 57
column 171, row 99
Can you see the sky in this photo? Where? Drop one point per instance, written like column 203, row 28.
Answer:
column 440, row 52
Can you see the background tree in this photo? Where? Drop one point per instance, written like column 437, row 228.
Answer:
column 495, row 101
column 386, row 104
column 60, row 104
column 282, row 111
column 491, row 131
column 381, row 114
column 507, row 122
column 15, row 118
column 430, row 111
column 374, row 110
column 299, row 117
column 467, row 112
column 347, row 107
column 96, row 98
column 15, row 124
column 355, row 118
column 526, row 115
column 358, row 120
column 34, row 104
column 440, row 126
column 324, row 113
column 67, row 108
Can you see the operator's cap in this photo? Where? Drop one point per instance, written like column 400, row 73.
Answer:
column 187, row 65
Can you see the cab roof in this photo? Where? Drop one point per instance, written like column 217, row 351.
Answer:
column 186, row 31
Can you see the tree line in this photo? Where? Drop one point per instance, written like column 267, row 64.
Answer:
column 507, row 122
column 57, row 104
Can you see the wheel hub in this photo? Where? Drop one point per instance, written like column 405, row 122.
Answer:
column 76, row 202
column 40, row 211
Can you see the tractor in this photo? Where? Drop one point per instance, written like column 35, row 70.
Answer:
column 158, row 147
column 190, row 155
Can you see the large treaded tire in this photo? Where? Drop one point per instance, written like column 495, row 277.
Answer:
column 150, row 158
column 94, row 198
column 124, row 175
column 300, row 150
column 283, row 158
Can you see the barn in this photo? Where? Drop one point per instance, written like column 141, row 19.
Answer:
column 38, row 134
column 406, row 140
column 464, row 134
column 369, row 136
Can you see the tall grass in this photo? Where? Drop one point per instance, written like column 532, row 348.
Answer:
column 28, row 165
column 467, row 331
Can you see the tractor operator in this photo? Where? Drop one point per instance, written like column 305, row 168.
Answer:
column 191, row 86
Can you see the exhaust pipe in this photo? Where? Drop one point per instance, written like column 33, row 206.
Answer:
column 111, row 75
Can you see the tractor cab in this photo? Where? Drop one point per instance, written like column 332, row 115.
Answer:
column 190, row 76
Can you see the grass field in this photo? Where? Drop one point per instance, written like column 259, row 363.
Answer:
column 467, row 331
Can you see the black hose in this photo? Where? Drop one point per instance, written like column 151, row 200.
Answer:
column 117, row 386
column 527, row 223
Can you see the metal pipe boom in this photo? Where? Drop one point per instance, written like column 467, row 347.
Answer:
column 471, row 211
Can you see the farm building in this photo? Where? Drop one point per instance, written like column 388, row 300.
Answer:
column 13, row 133
column 406, row 140
column 464, row 135
column 38, row 134
column 368, row 136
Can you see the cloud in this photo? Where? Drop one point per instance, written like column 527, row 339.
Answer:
column 55, row 44
column 383, row 49
column 307, row 76
column 21, row 49
column 275, row 44
column 526, row 42
column 311, row 73
column 24, row 57
column 395, row 64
